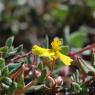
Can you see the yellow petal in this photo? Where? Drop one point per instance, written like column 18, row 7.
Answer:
column 56, row 44
column 42, row 52
column 38, row 50
column 65, row 59
column 47, row 54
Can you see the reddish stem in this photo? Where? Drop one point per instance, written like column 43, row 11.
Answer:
column 84, row 49
column 34, row 61
column 32, row 67
column 14, row 76
column 22, row 56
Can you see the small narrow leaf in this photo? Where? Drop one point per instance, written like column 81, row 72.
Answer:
column 85, row 66
column 40, row 66
column 3, row 85
column 5, row 71
column 3, row 49
column 42, row 77
column 93, row 58
column 7, row 81
column 19, row 49
column 2, row 63
column 14, row 67
column 20, row 79
column 9, row 42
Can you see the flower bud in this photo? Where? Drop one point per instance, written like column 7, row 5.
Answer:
column 37, row 73
column 59, row 81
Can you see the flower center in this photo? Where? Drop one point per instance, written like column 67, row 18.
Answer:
column 56, row 44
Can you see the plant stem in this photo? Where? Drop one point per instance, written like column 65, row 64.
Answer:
column 22, row 56
column 22, row 91
column 84, row 49
column 34, row 61
column 28, row 85
column 14, row 76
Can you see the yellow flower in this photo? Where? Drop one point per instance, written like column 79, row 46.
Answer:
column 56, row 44
column 53, row 53
column 42, row 52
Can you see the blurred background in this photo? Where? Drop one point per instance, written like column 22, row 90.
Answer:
column 35, row 21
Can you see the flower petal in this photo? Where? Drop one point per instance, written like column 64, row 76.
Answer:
column 56, row 44
column 38, row 50
column 65, row 59
column 42, row 52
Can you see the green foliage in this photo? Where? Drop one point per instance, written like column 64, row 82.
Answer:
column 21, row 83
column 17, row 68
column 19, row 49
column 9, row 42
column 5, row 71
column 58, row 14
column 55, row 15
column 17, row 74
column 65, row 50
column 42, row 77
column 91, row 3
column 3, row 49
column 40, row 66
column 76, row 39
column 14, row 67
column 2, row 63
column 86, row 67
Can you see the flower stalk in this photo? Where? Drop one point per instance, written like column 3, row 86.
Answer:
column 90, row 47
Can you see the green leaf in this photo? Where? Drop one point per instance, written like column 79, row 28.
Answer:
column 10, row 52
column 76, row 76
column 9, row 42
column 47, row 41
column 14, row 67
column 19, row 49
column 77, row 87
column 0, row 74
column 7, row 81
column 85, row 66
column 76, row 39
column 3, row 49
column 2, row 63
column 58, row 14
column 64, row 50
column 12, row 88
column 91, row 3
column 20, row 79
column 59, row 64
column 40, row 66
column 51, row 1
column 39, row 90
column 14, row 85
column 13, row 51
column 4, row 86
column 5, row 71
column 93, row 59
column 42, row 77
